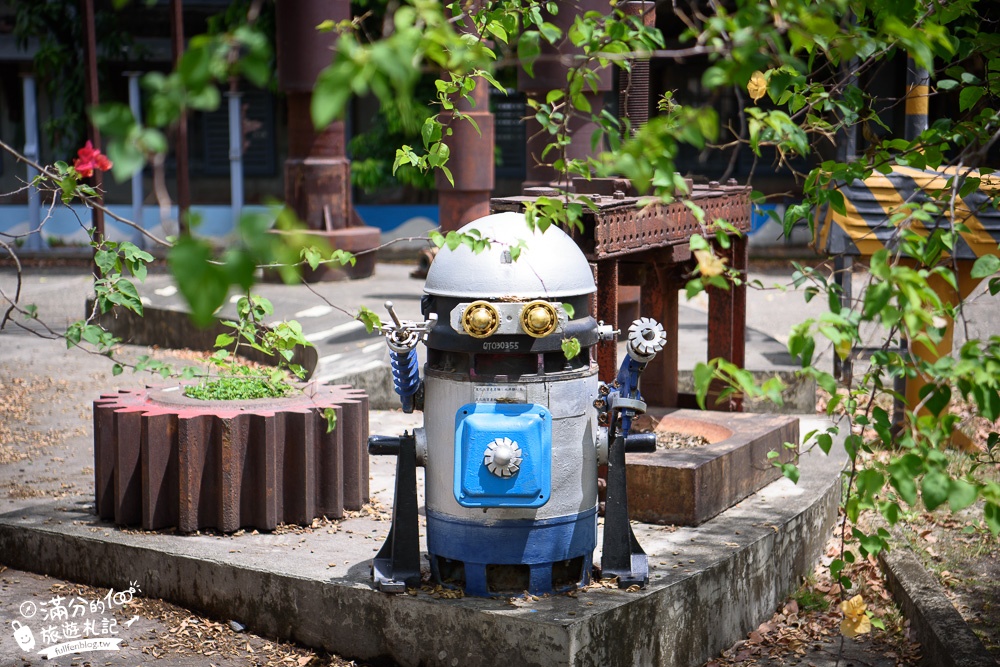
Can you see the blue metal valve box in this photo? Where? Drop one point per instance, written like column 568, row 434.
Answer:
column 526, row 424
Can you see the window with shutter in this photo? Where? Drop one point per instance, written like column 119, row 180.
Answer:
column 259, row 153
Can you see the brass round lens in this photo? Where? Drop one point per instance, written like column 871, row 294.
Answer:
column 480, row 319
column 538, row 318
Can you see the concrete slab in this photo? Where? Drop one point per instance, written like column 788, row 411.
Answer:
column 946, row 638
column 709, row 585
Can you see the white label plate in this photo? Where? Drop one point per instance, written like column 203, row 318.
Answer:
column 495, row 393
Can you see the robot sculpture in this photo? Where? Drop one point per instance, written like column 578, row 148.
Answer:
column 514, row 431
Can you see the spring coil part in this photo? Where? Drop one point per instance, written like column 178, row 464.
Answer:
column 405, row 376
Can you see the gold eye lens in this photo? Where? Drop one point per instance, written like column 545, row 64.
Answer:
column 480, row 319
column 538, row 318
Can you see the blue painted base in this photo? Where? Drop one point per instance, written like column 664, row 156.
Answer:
column 485, row 553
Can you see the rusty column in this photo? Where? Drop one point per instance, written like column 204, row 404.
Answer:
column 181, row 133
column 727, row 323
column 317, row 171
column 93, row 99
column 606, row 277
column 550, row 73
column 471, row 163
column 659, row 300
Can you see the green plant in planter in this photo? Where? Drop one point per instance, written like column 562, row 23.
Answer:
column 240, row 381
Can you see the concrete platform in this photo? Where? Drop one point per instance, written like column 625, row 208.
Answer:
column 709, row 585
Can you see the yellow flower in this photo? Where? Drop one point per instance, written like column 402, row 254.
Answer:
column 709, row 264
column 843, row 348
column 855, row 619
column 757, row 86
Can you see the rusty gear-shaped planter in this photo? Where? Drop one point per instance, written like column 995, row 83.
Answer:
column 162, row 459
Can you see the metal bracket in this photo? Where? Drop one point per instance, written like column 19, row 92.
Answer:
column 617, row 402
column 403, row 335
column 621, row 555
column 397, row 564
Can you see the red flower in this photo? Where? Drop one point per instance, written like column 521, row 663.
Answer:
column 89, row 159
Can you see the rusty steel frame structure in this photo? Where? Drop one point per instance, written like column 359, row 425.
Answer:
column 637, row 241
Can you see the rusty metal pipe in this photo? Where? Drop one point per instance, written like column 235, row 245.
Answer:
column 471, row 163
column 93, row 99
column 181, row 131
column 633, row 83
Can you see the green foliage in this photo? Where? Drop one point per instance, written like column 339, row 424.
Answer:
column 472, row 239
column 239, row 381
column 570, row 347
column 369, row 318
column 271, row 238
column 330, row 415
column 732, row 381
column 809, row 599
column 373, row 153
column 236, row 388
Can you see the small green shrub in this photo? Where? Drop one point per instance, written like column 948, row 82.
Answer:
column 809, row 599
column 235, row 388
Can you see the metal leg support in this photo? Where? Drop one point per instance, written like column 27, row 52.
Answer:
column 842, row 269
column 621, row 556
column 397, row 564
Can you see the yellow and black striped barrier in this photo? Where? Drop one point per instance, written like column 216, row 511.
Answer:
column 878, row 208
column 872, row 205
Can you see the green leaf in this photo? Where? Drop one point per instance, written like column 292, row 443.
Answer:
column 312, row 256
column 528, row 49
column 870, row 544
column 126, row 158
column 106, row 261
column 117, row 369
column 869, row 482
column 791, row 471
column 985, row 266
column 369, row 319
column 224, row 340
column 703, row 374
column 904, row 483
column 203, row 285
column 969, row 96
column 937, row 397
column 961, row 494
column 330, row 94
column 569, row 310
column 570, row 347
column 330, row 415
column 876, row 298
column 934, row 489
column 991, row 512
